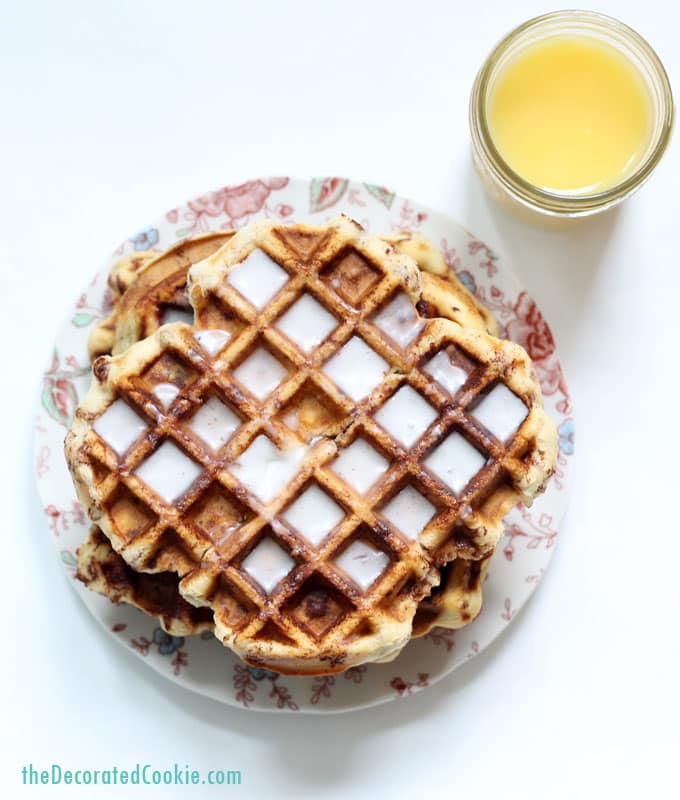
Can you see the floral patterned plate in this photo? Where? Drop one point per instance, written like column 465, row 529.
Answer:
column 201, row 663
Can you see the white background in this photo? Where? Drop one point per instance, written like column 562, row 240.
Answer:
column 112, row 113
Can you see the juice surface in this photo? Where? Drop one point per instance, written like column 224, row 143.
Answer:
column 570, row 114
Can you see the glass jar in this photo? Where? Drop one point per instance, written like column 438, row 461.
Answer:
column 531, row 201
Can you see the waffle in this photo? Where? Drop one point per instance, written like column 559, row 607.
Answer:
column 123, row 273
column 457, row 601
column 442, row 293
column 320, row 617
column 149, row 290
column 144, row 301
column 102, row 570
column 453, row 604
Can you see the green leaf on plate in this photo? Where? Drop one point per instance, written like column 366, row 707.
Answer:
column 59, row 399
column 326, row 192
column 381, row 194
column 80, row 320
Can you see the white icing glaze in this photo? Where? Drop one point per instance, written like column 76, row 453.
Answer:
column 292, row 419
column 307, row 323
column 265, row 470
column 360, row 465
column 449, row 375
column 212, row 340
column 356, row 368
column 363, row 563
column 400, row 321
column 455, row 462
column 268, row 564
column 223, row 530
column 214, row 423
column 409, row 512
column 314, row 514
column 258, row 278
column 174, row 314
column 168, row 472
column 260, row 373
column 501, row 412
column 119, row 426
column 406, row 416
column 165, row 393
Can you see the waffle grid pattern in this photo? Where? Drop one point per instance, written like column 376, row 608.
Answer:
column 316, row 598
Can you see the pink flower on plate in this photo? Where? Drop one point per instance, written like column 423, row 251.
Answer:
column 211, row 204
column 531, row 331
column 236, row 201
column 284, row 210
column 42, row 464
column 239, row 201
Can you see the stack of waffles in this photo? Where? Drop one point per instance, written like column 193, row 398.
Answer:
column 303, row 439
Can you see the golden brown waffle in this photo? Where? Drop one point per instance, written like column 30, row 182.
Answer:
column 443, row 294
column 123, row 273
column 102, row 570
column 318, row 619
column 145, row 298
column 453, row 604
column 149, row 290
column 457, row 601
column 159, row 292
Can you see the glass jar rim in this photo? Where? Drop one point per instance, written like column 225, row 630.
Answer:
column 559, row 203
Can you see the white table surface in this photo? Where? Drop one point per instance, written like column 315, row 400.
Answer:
column 113, row 112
